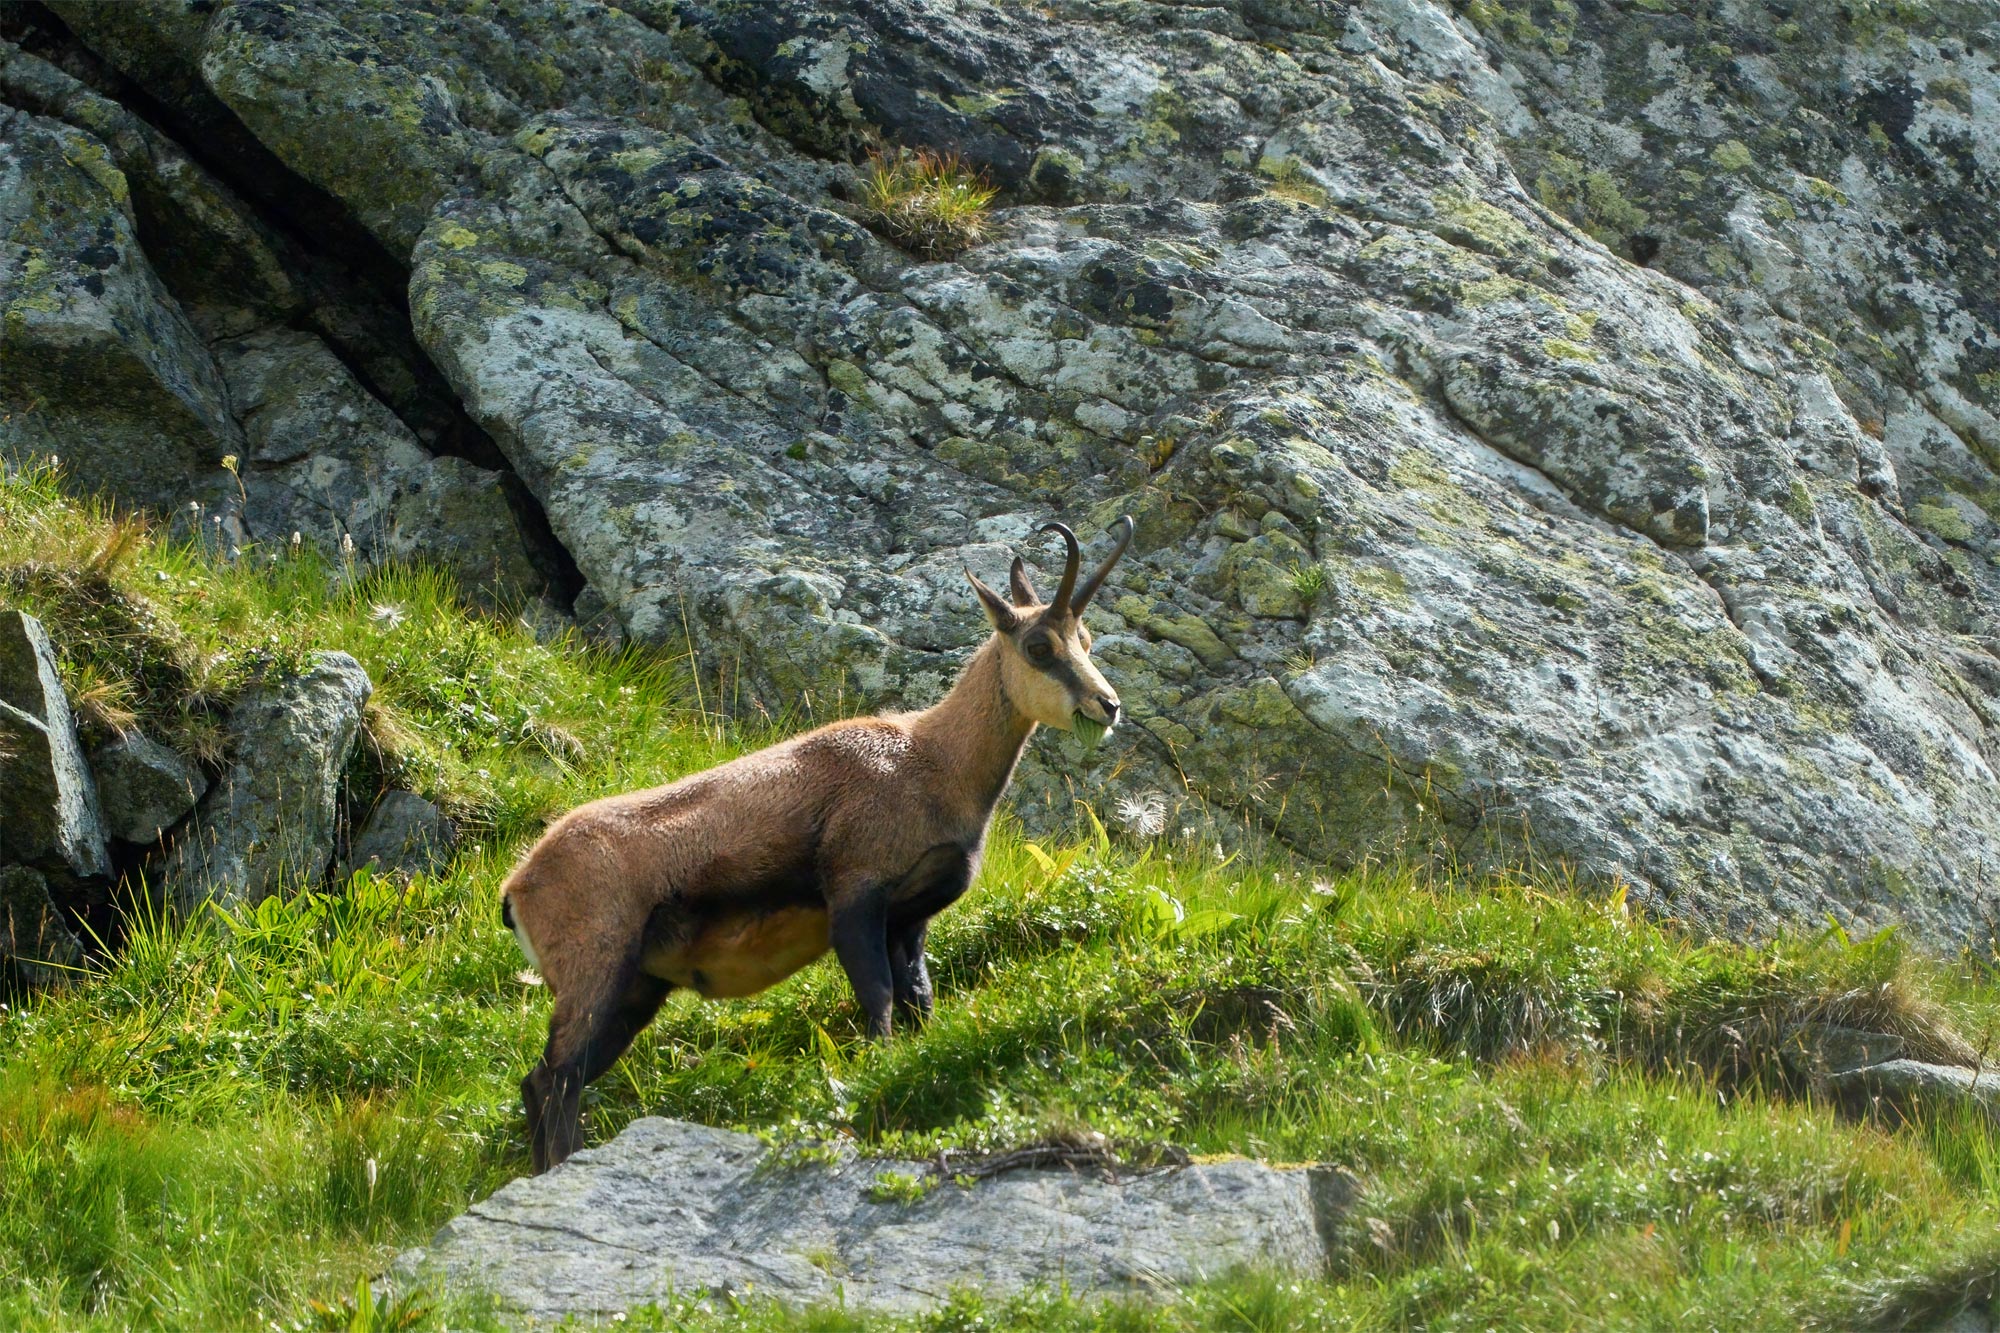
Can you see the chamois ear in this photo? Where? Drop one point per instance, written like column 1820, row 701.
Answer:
column 1021, row 586
column 997, row 610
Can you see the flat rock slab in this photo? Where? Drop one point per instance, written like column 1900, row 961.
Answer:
column 672, row 1208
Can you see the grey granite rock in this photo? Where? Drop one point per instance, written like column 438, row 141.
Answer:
column 144, row 787
column 669, row 1207
column 403, row 835
column 1568, row 438
column 98, row 364
column 49, row 812
column 200, row 238
column 1915, row 1080
column 329, row 461
column 35, row 940
column 267, row 826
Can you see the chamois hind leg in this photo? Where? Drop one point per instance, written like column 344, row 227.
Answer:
column 585, row 1039
column 910, row 975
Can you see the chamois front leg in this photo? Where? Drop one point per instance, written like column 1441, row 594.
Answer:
column 859, row 926
column 911, row 976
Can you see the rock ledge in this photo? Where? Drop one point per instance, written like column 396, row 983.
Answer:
column 674, row 1208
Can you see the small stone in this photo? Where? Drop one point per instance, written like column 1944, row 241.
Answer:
column 1914, row 1080
column 1816, row 1049
column 1264, row 572
column 404, row 835
column 34, row 939
column 1233, row 524
column 145, row 788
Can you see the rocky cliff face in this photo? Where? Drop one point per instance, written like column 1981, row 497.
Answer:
column 1554, row 429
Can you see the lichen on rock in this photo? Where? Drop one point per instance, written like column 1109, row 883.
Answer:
column 1556, row 433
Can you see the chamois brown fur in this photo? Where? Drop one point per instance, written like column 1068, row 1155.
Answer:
column 851, row 837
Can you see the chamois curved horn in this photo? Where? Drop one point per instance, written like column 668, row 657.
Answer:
column 1123, row 527
column 1068, row 584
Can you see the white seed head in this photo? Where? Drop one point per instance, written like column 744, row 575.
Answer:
column 1145, row 815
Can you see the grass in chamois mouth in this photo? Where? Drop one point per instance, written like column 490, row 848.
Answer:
column 1564, row 1115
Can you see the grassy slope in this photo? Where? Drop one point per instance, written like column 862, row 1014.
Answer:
column 1566, row 1117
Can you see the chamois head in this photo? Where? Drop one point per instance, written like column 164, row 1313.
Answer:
column 1045, row 665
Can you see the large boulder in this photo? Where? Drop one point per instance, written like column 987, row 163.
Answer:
column 268, row 824
column 36, row 942
column 1462, row 532
column 331, row 462
column 672, row 1208
column 49, row 811
column 98, row 364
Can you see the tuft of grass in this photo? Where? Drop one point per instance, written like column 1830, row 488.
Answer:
column 1309, row 582
column 930, row 203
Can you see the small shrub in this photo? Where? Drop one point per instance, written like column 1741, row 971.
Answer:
column 365, row 1312
column 896, row 1187
column 930, row 203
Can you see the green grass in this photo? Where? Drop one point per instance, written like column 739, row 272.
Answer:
column 1563, row 1115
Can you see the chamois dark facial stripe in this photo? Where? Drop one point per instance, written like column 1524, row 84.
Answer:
column 1064, row 674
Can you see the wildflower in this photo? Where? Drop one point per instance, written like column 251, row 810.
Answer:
column 1144, row 815
column 346, row 546
column 298, row 538
column 387, row 614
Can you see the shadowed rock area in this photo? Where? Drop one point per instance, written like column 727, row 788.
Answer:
column 672, row 1208
column 1554, row 431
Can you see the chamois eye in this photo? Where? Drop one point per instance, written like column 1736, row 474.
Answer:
column 1039, row 650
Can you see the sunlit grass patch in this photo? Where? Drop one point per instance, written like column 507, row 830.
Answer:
column 928, row 202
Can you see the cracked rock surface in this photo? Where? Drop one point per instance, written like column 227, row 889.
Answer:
column 1555, row 431
column 669, row 1207
column 267, row 825
column 50, row 815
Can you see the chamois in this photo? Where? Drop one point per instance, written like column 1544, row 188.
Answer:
column 854, row 835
